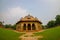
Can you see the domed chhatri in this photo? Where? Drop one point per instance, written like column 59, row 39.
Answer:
column 28, row 23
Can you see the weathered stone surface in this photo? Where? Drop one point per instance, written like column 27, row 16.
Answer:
column 28, row 23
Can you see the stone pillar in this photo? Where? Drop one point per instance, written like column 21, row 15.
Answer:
column 40, row 27
column 26, row 27
column 36, row 25
column 31, row 26
column 22, row 26
column 18, row 27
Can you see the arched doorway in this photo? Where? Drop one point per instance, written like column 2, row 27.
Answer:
column 33, row 26
column 29, row 26
column 24, row 27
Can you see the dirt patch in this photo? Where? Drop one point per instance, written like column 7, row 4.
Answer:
column 30, row 36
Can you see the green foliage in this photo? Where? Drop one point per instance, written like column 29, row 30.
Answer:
column 57, row 20
column 50, row 34
column 1, row 23
column 8, row 26
column 51, row 24
column 9, row 34
column 14, row 27
column 43, row 27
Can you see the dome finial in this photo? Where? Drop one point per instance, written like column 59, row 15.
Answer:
column 28, row 14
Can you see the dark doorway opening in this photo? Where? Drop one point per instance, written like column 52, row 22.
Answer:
column 24, row 27
column 33, row 27
column 29, row 27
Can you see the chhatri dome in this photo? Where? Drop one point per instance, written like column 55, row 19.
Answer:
column 28, row 23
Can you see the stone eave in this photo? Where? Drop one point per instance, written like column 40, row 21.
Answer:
column 28, row 21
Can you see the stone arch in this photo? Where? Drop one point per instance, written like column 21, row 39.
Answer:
column 33, row 26
column 29, row 26
column 24, row 27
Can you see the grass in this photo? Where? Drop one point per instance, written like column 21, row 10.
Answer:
column 9, row 35
column 50, row 34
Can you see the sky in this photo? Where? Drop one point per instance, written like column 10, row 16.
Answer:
column 12, row 10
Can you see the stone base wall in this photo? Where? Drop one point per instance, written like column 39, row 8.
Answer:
column 19, row 27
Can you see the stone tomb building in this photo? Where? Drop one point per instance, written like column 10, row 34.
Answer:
column 28, row 23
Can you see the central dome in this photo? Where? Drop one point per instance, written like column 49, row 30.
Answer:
column 29, row 18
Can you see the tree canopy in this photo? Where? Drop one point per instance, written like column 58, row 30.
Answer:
column 57, row 20
column 51, row 24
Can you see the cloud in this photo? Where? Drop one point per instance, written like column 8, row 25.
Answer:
column 12, row 15
column 18, row 11
column 44, row 9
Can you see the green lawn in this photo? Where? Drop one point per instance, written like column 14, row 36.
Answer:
column 50, row 34
column 9, row 35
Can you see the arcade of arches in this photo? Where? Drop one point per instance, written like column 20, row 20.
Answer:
column 29, row 27
column 28, row 23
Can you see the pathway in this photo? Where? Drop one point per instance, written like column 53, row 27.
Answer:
column 30, row 36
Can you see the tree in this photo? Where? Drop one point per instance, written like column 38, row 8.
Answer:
column 44, row 26
column 57, row 20
column 14, row 27
column 51, row 24
column 8, row 26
